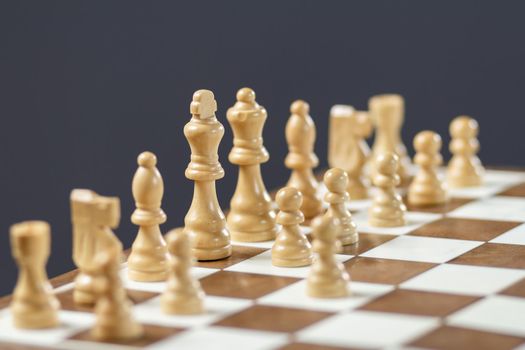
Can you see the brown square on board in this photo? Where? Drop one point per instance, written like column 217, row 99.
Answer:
column 366, row 242
column 494, row 255
column 271, row 318
column 459, row 228
column 515, row 191
column 152, row 334
column 419, row 303
column 67, row 303
column 384, row 270
column 516, row 290
column 239, row 253
column 305, row 346
column 454, row 338
column 453, row 203
column 243, row 285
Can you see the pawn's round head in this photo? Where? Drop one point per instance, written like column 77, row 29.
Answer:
column 387, row 163
column 464, row 127
column 427, row 142
column 289, row 199
column 300, row 107
column 246, row 95
column 336, row 180
column 147, row 159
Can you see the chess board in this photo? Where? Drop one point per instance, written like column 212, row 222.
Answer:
column 453, row 278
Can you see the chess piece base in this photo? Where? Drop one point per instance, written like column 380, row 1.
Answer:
column 376, row 222
column 350, row 239
column 83, row 293
column 254, row 236
column 338, row 289
column 205, row 254
column 28, row 318
column 189, row 306
column 120, row 332
column 147, row 276
column 280, row 262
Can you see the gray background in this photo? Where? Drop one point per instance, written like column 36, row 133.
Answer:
column 86, row 86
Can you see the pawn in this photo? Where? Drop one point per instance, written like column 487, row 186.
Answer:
column 387, row 208
column 291, row 247
column 149, row 255
column 34, row 305
column 327, row 277
column 464, row 169
column 427, row 189
column 301, row 159
column 183, row 295
column 114, row 318
column 336, row 181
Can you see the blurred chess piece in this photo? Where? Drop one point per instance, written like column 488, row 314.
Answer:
column 336, row 182
column 301, row 159
column 387, row 208
column 348, row 149
column 205, row 221
column 426, row 188
column 327, row 277
column 251, row 217
column 291, row 247
column 183, row 295
column 387, row 113
column 93, row 217
column 148, row 259
column 114, row 318
column 464, row 169
column 33, row 305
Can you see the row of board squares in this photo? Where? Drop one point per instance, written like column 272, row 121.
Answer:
column 454, row 278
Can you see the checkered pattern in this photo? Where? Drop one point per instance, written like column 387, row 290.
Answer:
column 453, row 278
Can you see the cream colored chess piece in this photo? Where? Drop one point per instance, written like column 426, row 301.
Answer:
column 33, row 305
column 387, row 208
column 93, row 217
column 348, row 149
column 251, row 217
column 301, row 159
column 426, row 188
column 327, row 277
column 205, row 221
column 183, row 294
column 336, row 182
column 464, row 169
column 149, row 255
column 387, row 113
column 114, row 318
column 291, row 247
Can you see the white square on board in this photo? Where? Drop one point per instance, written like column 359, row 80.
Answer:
column 494, row 208
column 262, row 264
column 294, row 295
column 513, row 236
column 464, row 279
column 498, row 313
column 215, row 309
column 159, row 287
column 424, row 249
column 71, row 322
column 221, row 338
column 367, row 329
column 414, row 221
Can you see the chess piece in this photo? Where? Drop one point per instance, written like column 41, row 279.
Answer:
column 387, row 208
column 327, row 277
column 291, row 247
column 114, row 319
column 348, row 149
column 183, row 294
column 251, row 217
column 464, row 169
column 205, row 221
column 336, row 181
column 149, row 255
column 301, row 159
column 387, row 113
column 93, row 217
column 426, row 188
column 33, row 305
